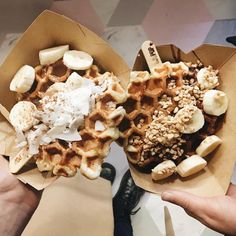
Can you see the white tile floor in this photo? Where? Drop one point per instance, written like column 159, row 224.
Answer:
column 126, row 41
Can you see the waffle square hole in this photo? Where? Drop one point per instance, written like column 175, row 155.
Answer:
column 125, row 125
column 53, row 151
column 94, row 118
column 59, row 69
column 141, row 120
column 171, row 83
column 136, row 87
column 73, row 158
column 108, row 103
column 155, row 85
column 130, row 105
column 135, row 139
column 147, row 102
column 87, row 143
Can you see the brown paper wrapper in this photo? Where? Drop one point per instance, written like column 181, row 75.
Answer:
column 49, row 30
column 215, row 178
column 74, row 206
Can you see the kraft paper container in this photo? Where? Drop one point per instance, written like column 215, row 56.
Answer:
column 215, row 179
column 74, row 206
column 49, row 30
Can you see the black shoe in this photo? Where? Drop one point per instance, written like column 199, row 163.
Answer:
column 127, row 197
column 231, row 39
column 108, row 172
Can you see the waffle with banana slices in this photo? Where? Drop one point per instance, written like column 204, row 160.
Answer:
column 165, row 119
column 74, row 114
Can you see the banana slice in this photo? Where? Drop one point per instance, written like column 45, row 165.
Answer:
column 23, row 79
column 18, row 161
column 191, row 166
column 75, row 80
column 77, row 60
column 22, row 115
column 163, row 170
column 131, row 148
column 139, row 76
column 119, row 111
column 195, row 123
column 111, row 133
column 57, row 87
column 215, row 102
column 92, row 171
column 51, row 55
column 208, row 145
column 207, row 78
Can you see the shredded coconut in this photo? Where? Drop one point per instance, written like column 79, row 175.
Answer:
column 62, row 112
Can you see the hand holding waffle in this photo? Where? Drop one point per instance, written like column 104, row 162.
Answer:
column 17, row 201
column 216, row 213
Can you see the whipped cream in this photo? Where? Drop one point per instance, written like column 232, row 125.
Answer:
column 63, row 107
column 63, row 110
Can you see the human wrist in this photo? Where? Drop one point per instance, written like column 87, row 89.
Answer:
column 17, row 206
column 14, row 217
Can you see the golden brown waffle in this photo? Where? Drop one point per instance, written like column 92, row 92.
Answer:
column 62, row 158
column 166, row 90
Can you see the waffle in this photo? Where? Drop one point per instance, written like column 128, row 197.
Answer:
column 63, row 158
column 152, row 97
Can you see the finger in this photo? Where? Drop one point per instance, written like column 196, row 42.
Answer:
column 193, row 205
column 231, row 190
column 214, row 212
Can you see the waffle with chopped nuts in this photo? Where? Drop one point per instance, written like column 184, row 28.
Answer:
column 63, row 158
column 153, row 100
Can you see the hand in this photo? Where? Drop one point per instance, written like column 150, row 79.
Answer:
column 17, row 202
column 217, row 213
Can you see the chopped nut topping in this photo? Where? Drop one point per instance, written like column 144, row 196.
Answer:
column 165, row 101
column 180, row 89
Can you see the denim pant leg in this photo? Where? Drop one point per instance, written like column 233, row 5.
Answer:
column 123, row 227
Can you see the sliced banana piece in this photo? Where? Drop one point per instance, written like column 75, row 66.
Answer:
column 193, row 124
column 92, row 171
column 51, row 55
column 77, row 60
column 23, row 79
column 119, row 111
column 22, row 115
column 163, row 170
column 191, row 166
column 57, row 87
column 208, row 145
column 75, row 80
column 131, row 148
column 19, row 160
column 215, row 102
column 207, row 78
column 139, row 76
column 111, row 133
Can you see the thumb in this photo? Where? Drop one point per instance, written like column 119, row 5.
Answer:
column 192, row 204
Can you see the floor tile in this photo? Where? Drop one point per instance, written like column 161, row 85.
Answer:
column 104, row 8
column 131, row 12
column 222, row 9
column 126, row 40
column 220, row 30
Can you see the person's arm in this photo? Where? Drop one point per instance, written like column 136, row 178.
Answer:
column 218, row 213
column 17, row 202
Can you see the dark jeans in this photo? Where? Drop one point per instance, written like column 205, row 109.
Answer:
column 123, row 227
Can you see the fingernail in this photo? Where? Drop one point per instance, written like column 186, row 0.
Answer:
column 167, row 196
